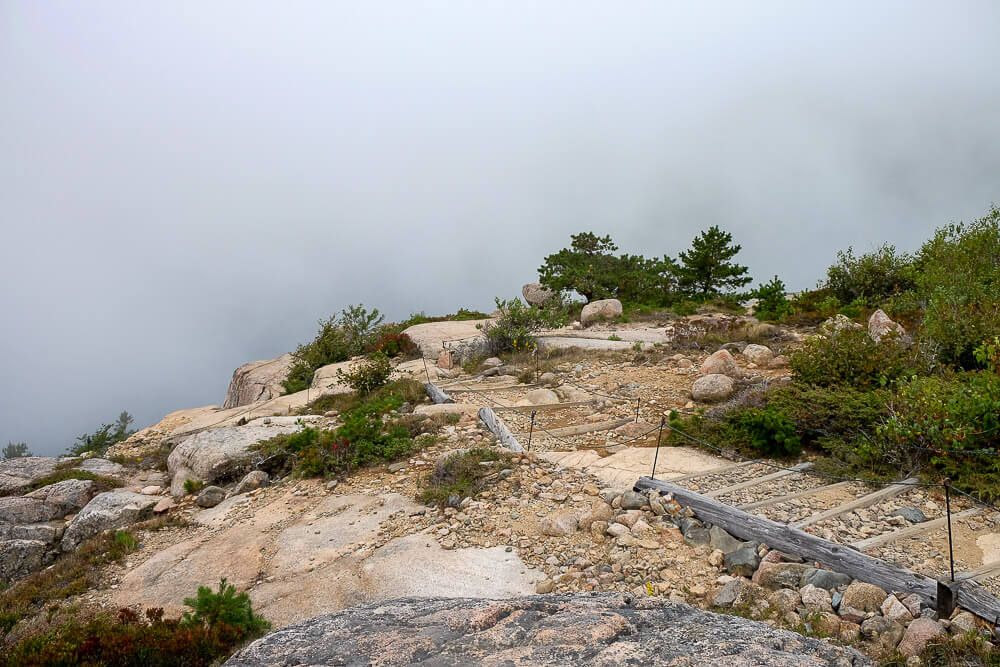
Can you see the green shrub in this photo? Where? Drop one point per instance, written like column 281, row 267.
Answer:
column 462, row 475
column 952, row 423
column 106, row 435
column 772, row 303
column 338, row 339
column 15, row 450
column 770, row 431
column 369, row 374
column 988, row 354
column 959, row 279
column 367, row 436
column 224, row 607
column 872, row 277
column 516, row 326
column 193, row 486
column 850, row 357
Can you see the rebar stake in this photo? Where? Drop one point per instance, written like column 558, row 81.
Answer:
column 659, row 436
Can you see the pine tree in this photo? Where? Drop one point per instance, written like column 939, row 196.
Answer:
column 706, row 270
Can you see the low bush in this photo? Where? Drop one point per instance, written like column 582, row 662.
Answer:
column 106, row 435
column 369, row 374
column 771, row 432
column 193, row 486
column 850, row 357
column 772, row 303
column 952, row 425
column 224, row 607
column 462, row 475
column 959, row 279
column 220, row 622
column 70, row 575
column 516, row 326
column 873, row 277
column 367, row 436
column 338, row 339
column 15, row 450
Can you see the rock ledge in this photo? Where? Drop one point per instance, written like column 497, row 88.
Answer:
column 587, row 629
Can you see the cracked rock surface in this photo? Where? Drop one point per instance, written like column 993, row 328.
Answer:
column 595, row 629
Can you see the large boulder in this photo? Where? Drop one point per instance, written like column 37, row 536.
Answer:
column 464, row 338
column 758, row 354
column 539, row 397
column 712, row 388
column 20, row 473
column 104, row 468
column 536, row 295
column 68, row 495
column 18, row 509
column 21, row 557
column 881, row 325
column 602, row 310
column 838, row 323
column 539, row 631
column 107, row 511
column 222, row 453
column 721, row 363
column 258, row 381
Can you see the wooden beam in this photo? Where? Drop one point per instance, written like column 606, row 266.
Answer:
column 547, row 406
column 859, row 503
column 767, row 502
column 840, row 557
column 499, row 429
column 713, row 471
column 910, row 531
column 802, row 467
column 480, row 390
column 580, row 429
column 436, row 394
column 982, row 572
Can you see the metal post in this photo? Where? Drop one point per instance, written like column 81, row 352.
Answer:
column 531, row 429
column 637, row 401
column 947, row 507
column 659, row 436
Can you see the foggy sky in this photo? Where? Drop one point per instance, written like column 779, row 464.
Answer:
column 185, row 187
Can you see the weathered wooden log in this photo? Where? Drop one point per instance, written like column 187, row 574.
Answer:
column 714, row 471
column 437, row 394
column 580, row 429
column 499, row 429
column 546, row 407
column 836, row 556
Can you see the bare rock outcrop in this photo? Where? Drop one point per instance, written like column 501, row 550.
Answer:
column 595, row 629
column 218, row 454
column 258, row 381
column 107, row 511
column 19, row 473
